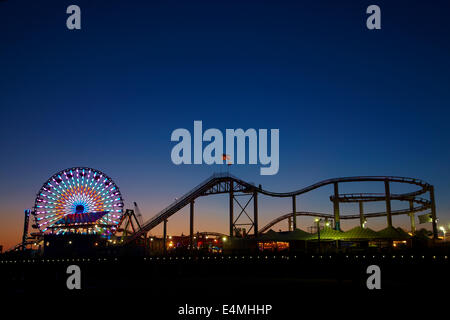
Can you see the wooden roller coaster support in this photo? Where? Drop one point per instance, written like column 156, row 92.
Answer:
column 337, row 221
column 388, row 203
column 411, row 216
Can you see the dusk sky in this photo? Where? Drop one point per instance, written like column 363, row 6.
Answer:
column 348, row 101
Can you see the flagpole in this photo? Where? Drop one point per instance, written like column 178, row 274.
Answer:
column 226, row 158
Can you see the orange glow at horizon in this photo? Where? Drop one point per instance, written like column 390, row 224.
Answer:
column 207, row 218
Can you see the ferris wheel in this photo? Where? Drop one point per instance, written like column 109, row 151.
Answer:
column 79, row 199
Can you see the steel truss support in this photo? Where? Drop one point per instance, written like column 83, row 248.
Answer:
column 231, row 205
column 225, row 186
column 165, row 236
column 388, row 203
column 412, row 217
column 433, row 212
column 255, row 212
column 191, row 226
column 253, row 224
column 128, row 220
column 337, row 221
column 362, row 220
column 294, row 213
column 26, row 222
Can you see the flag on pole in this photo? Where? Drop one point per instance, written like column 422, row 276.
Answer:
column 227, row 158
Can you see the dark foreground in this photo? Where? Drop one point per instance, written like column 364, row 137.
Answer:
column 287, row 282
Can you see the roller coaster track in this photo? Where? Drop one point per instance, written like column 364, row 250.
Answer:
column 212, row 186
column 209, row 233
column 317, row 185
column 366, row 197
column 331, row 216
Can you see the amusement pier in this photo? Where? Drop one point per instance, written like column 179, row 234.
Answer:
column 79, row 217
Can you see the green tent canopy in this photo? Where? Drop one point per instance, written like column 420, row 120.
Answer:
column 270, row 236
column 403, row 232
column 392, row 233
column 327, row 234
column 358, row 233
column 297, row 234
column 284, row 236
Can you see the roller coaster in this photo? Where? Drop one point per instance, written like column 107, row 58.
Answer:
column 221, row 183
column 79, row 217
column 85, row 200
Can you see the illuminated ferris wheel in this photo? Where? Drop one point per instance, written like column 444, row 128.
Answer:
column 81, row 200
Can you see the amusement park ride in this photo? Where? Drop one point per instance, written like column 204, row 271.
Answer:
column 85, row 201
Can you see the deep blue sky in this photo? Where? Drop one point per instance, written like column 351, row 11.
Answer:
column 347, row 101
